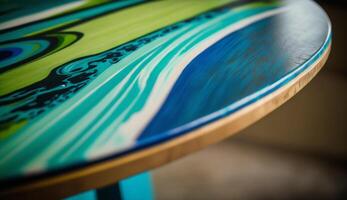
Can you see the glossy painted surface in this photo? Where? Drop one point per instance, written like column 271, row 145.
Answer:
column 95, row 81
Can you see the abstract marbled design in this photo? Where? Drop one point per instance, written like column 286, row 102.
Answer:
column 99, row 36
column 67, row 79
column 268, row 61
column 62, row 21
column 121, row 92
column 17, row 12
column 15, row 53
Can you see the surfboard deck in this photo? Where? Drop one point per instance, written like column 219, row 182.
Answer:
column 94, row 92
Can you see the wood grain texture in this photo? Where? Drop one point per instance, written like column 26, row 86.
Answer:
column 95, row 94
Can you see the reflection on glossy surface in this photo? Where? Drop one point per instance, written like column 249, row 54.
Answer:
column 138, row 82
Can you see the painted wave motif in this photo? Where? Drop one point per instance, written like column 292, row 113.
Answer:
column 97, row 81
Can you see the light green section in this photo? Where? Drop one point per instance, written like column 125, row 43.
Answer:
column 107, row 32
column 86, row 4
column 90, row 3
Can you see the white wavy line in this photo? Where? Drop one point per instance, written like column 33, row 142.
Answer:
column 81, row 124
column 40, row 15
column 73, row 132
column 104, row 137
column 108, row 137
column 157, row 98
column 107, row 142
column 40, row 127
column 95, row 126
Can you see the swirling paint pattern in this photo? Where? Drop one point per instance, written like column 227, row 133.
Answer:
column 95, row 41
column 129, row 96
column 64, row 20
column 66, row 80
column 21, row 51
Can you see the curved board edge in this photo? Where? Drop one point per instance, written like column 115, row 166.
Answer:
column 107, row 172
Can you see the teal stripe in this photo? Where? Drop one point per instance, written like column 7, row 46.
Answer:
column 81, row 15
column 160, row 59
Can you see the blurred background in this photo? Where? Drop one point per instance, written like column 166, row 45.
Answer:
column 299, row 151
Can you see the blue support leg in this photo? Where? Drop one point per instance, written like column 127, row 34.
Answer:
column 138, row 187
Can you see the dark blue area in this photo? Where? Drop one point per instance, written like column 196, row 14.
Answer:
column 9, row 52
column 235, row 67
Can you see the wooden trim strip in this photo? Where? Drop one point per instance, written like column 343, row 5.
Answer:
column 108, row 172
